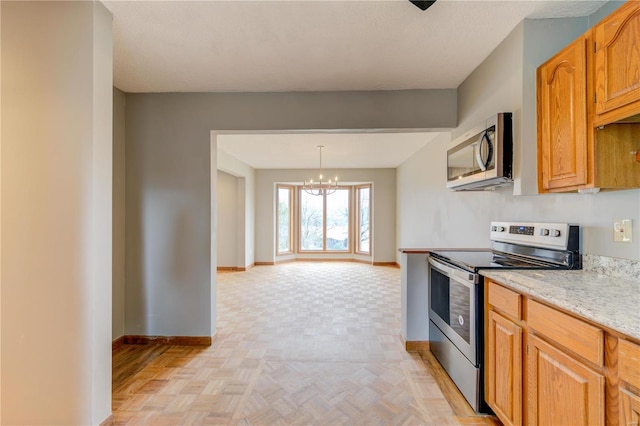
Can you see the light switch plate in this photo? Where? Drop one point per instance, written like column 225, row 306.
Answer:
column 622, row 230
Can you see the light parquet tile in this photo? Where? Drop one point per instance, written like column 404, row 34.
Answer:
column 302, row 343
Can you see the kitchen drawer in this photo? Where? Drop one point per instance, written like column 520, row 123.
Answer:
column 506, row 300
column 629, row 362
column 579, row 337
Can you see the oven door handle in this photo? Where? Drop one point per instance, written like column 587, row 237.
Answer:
column 467, row 278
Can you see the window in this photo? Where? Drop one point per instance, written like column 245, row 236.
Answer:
column 337, row 205
column 336, row 223
column 324, row 221
column 363, row 219
column 284, row 198
column 311, row 221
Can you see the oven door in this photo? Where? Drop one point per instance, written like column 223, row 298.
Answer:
column 453, row 295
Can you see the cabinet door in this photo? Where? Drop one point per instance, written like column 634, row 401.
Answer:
column 617, row 40
column 561, row 390
column 504, row 369
column 629, row 372
column 562, row 118
column 630, row 408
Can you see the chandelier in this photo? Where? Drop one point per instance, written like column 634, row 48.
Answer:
column 321, row 187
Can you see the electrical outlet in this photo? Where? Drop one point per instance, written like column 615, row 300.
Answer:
column 622, row 230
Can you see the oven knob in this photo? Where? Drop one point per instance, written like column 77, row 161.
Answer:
column 544, row 232
column 500, row 228
column 493, row 228
column 555, row 233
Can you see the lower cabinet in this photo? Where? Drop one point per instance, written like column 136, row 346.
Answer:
column 560, row 389
column 504, row 369
column 629, row 382
column 630, row 408
column 547, row 367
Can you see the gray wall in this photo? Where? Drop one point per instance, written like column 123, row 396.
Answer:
column 383, row 207
column 246, row 204
column 429, row 215
column 227, row 235
column 168, row 199
column 118, row 249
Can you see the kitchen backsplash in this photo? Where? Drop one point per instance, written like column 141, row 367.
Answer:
column 614, row 267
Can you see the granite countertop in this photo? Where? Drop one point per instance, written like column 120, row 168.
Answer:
column 613, row 302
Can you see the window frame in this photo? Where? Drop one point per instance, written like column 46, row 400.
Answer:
column 349, row 249
column 291, row 189
column 358, row 249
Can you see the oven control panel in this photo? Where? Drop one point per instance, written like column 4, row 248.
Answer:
column 550, row 235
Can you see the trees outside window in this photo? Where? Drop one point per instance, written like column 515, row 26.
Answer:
column 334, row 223
column 284, row 203
column 363, row 240
column 324, row 221
column 311, row 222
column 337, row 213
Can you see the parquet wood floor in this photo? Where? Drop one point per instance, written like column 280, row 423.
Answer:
column 301, row 343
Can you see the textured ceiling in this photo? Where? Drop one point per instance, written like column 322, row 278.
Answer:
column 195, row 46
column 257, row 46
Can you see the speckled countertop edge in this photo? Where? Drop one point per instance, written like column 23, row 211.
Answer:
column 612, row 302
column 611, row 266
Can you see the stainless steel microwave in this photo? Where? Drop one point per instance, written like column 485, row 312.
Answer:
column 482, row 158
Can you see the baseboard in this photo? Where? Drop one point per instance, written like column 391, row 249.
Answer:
column 416, row 346
column 116, row 344
column 226, row 268
column 322, row 259
column 329, row 259
column 169, row 340
column 109, row 421
column 234, row 268
column 390, row 264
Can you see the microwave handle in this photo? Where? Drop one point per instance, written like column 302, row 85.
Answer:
column 482, row 162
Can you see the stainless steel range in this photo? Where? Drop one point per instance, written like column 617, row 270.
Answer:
column 456, row 292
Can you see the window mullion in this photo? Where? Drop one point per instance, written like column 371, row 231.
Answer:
column 324, row 222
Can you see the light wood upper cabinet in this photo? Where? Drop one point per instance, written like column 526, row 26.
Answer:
column 561, row 390
column 562, row 118
column 617, row 63
column 588, row 105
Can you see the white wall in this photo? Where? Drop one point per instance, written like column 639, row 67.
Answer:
column 430, row 215
column 56, row 212
column 383, row 207
column 119, row 175
column 227, row 220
